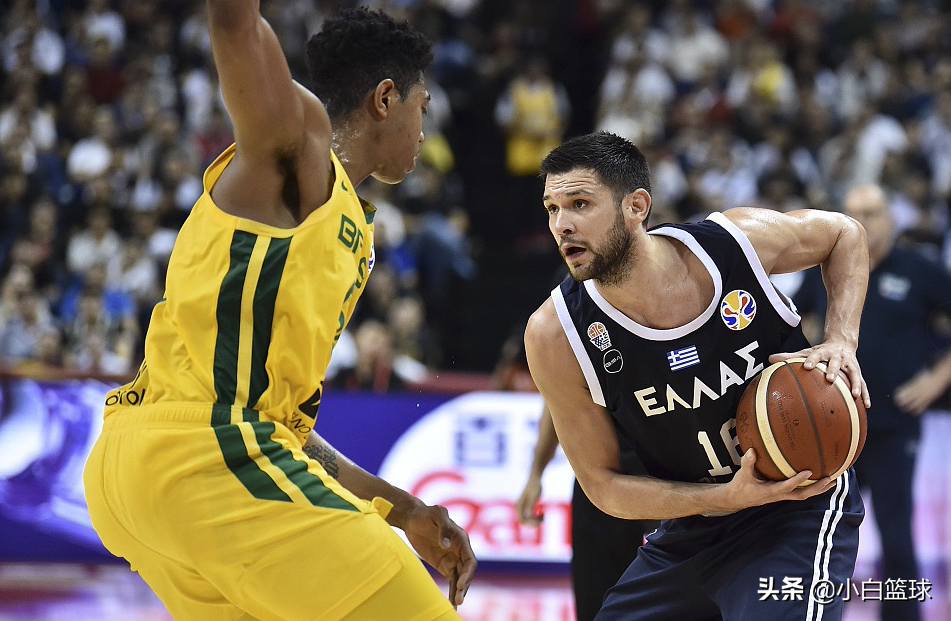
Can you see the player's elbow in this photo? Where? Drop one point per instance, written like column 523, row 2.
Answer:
column 849, row 229
column 600, row 492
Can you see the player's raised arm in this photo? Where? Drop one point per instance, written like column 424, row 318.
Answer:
column 590, row 442
column 801, row 239
column 264, row 102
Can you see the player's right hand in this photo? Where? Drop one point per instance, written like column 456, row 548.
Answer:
column 443, row 544
column 525, row 505
column 749, row 489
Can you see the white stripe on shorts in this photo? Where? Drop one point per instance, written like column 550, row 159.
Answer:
column 820, row 567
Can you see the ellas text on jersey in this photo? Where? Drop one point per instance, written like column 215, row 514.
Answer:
column 656, row 400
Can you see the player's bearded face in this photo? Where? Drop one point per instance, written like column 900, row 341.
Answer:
column 612, row 259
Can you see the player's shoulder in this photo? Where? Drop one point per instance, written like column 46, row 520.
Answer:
column 544, row 320
column 544, row 328
column 317, row 120
column 746, row 219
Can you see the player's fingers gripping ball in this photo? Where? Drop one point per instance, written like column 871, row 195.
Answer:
column 795, row 419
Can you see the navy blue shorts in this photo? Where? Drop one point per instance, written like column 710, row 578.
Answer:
column 786, row 561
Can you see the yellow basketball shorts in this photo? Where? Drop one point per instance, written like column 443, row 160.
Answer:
column 226, row 518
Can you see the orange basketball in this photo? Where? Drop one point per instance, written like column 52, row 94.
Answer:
column 797, row 420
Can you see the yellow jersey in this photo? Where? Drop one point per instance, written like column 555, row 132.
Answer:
column 251, row 312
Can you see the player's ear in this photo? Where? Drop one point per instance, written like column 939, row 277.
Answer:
column 637, row 204
column 380, row 99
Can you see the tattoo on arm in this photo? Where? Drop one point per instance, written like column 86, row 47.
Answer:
column 326, row 456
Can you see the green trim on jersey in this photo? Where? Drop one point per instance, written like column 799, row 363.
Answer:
column 236, row 452
column 265, row 295
column 228, row 315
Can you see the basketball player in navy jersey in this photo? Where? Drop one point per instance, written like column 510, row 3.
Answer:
column 653, row 339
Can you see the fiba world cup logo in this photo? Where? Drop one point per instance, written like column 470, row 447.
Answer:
column 737, row 309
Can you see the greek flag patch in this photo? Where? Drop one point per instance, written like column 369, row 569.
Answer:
column 683, row 358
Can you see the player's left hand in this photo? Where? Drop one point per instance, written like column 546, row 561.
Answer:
column 443, row 544
column 839, row 357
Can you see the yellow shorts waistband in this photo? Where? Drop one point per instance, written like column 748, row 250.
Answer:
column 186, row 413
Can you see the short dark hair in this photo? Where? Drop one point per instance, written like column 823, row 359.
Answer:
column 357, row 49
column 620, row 164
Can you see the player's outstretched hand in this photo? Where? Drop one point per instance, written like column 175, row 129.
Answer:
column 525, row 505
column 749, row 489
column 838, row 357
column 443, row 544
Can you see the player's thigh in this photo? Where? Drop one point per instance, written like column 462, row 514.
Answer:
column 186, row 594
column 410, row 595
column 306, row 563
column 660, row 585
column 793, row 567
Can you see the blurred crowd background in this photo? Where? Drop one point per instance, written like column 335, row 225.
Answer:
column 110, row 111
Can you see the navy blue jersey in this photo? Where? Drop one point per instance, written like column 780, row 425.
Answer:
column 673, row 392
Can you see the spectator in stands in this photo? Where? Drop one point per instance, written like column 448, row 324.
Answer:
column 117, row 305
column 639, row 37
column 374, row 368
column 214, row 137
column 40, row 246
column 28, row 42
column 171, row 187
column 97, row 243
column 634, row 94
column 532, row 111
column 23, row 328
column 99, row 340
column 158, row 239
column 16, row 281
column 693, row 44
column 92, row 156
column 15, row 196
column 415, row 345
column 24, row 111
column 134, row 272
column 862, row 78
column 105, row 75
column 99, row 20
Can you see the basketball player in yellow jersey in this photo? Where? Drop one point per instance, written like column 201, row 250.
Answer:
column 208, row 476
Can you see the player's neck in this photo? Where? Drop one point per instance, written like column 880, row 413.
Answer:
column 351, row 144
column 666, row 287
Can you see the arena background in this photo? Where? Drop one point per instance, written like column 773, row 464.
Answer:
column 109, row 112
